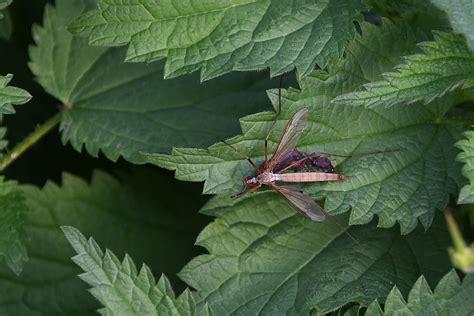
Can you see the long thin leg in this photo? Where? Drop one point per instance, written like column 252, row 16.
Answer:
column 293, row 164
column 247, row 190
column 243, row 155
column 274, row 120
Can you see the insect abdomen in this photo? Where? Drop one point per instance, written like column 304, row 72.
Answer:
column 310, row 177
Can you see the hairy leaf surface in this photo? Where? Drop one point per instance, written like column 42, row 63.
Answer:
column 10, row 96
column 414, row 174
column 123, row 109
column 466, row 196
column 128, row 216
column 221, row 36
column 265, row 259
column 121, row 288
column 446, row 63
column 450, row 297
column 460, row 13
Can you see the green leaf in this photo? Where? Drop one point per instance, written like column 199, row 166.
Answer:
column 123, row 109
column 266, row 259
column 421, row 168
column 143, row 215
column 5, row 24
column 450, row 297
column 460, row 13
column 121, row 288
column 10, row 96
column 466, row 196
column 222, row 36
column 12, row 212
column 446, row 63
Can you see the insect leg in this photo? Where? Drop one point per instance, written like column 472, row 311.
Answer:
column 247, row 190
column 243, row 155
column 274, row 120
column 294, row 164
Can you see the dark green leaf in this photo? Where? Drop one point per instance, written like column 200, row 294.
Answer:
column 123, row 109
column 221, row 36
column 121, row 288
column 466, row 196
column 266, row 259
column 143, row 216
column 450, row 297
column 446, row 63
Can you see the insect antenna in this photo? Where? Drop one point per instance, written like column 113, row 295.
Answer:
column 335, row 222
column 243, row 155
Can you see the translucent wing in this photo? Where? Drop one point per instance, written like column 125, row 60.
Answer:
column 302, row 202
column 290, row 137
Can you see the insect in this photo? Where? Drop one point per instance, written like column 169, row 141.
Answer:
column 285, row 158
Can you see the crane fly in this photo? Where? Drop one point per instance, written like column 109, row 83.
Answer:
column 285, row 158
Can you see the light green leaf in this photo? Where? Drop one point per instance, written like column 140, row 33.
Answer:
column 422, row 170
column 143, row 215
column 461, row 15
column 446, row 63
column 10, row 96
column 450, row 297
column 12, row 212
column 266, row 259
column 123, row 109
column 222, row 36
column 121, row 288
column 466, row 196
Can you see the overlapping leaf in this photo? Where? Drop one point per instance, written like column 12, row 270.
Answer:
column 446, row 63
column 122, row 289
column 466, row 195
column 221, row 36
column 461, row 14
column 408, row 182
column 130, row 216
column 450, row 297
column 10, row 96
column 266, row 259
column 124, row 109
column 12, row 212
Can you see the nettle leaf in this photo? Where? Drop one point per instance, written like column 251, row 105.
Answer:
column 450, row 297
column 419, row 165
column 12, row 212
column 466, row 196
column 265, row 259
column 10, row 96
column 121, row 288
column 123, row 109
column 130, row 215
column 222, row 36
column 460, row 14
column 446, row 63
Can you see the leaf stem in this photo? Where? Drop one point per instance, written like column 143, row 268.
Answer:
column 29, row 141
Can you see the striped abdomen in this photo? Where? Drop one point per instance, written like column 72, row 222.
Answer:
column 309, row 177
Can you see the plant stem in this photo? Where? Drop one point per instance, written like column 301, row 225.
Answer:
column 453, row 227
column 29, row 141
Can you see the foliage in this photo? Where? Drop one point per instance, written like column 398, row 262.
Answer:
column 267, row 259
column 113, row 281
column 419, row 144
column 450, row 297
column 124, row 215
column 136, row 111
column 388, row 86
column 221, row 36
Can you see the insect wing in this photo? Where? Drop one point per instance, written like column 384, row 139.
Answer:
column 302, row 202
column 290, row 137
